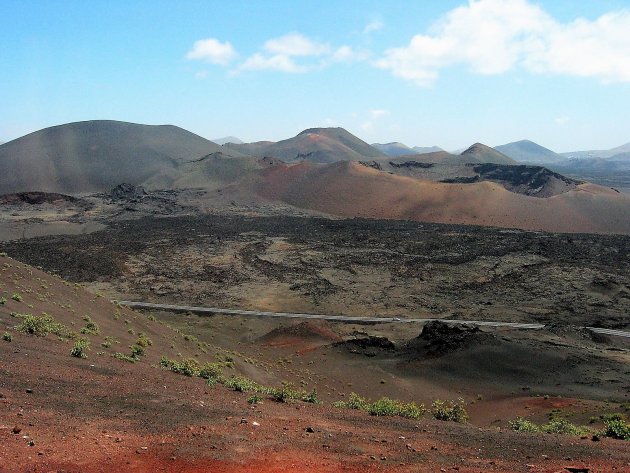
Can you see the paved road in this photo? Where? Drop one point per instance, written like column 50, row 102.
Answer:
column 348, row 319
column 337, row 318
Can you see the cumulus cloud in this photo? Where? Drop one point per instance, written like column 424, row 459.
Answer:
column 495, row 36
column 295, row 44
column 277, row 62
column 295, row 53
column 213, row 51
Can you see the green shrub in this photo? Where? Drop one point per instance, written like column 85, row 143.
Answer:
column 123, row 357
column 17, row 297
column 354, row 402
column 523, row 425
column 563, row 426
column 411, row 410
column 449, row 410
column 3, row 300
column 188, row 367
column 143, row 340
column 7, row 337
column 614, row 416
column 211, row 371
column 90, row 329
column 391, row 407
column 242, row 384
column 617, row 429
column 42, row 325
column 136, row 351
column 81, row 346
column 287, row 393
column 254, row 399
column 311, row 397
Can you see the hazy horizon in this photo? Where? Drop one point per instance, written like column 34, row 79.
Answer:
column 446, row 73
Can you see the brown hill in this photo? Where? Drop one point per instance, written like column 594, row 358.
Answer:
column 95, row 156
column 484, row 154
column 318, row 145
column 351, row 189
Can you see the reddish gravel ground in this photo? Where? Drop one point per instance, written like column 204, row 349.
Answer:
column 64, row 414
column 102, row 415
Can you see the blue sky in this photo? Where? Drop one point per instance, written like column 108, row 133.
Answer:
column 445, row 73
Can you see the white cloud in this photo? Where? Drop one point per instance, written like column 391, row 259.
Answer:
column 349, row 54
column 278, row 62
column 373, row 116
column 295, row 53
column 495, row 36
column 295, row 44
column 378, row 113
column 375, row 25
column 213, row 51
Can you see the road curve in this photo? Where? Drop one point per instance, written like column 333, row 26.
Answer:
column 336, row 318
column 349, row 319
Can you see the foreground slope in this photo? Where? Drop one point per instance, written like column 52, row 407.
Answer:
column 352, row 189
column 100, row 414
column 95, row 156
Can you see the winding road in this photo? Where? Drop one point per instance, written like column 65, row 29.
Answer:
column 348, row 319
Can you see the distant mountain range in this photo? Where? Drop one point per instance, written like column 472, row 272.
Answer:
column 607, row 153
column 323, row 169
column 526, row 151
column 227, row 139
column 400, row 149
column 317, row 145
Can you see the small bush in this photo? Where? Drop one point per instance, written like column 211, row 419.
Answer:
column 80, row 348
column 136, row 351
column 617, row 429
column 562, row 426
column 523, row 425
column 242, row 384
column 287, row 393
column 188, row 367
column 211, row 371
column 90, row 329
column 143, row 340
column 42, row 325
column 354, row 402
column 123, row 357
column 17, row 297
column 449, row 410
column 7, row 337
column 311, row 397
column 611, row 417
column 3, row 300
column 254, row 399
column 390, row 407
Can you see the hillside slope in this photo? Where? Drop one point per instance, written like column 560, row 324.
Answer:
column 318, row 145
column 352, row 189
column 95, row 156
column 526, row 151
column 481, row 153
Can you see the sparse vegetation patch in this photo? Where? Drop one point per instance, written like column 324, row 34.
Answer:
column 449, row 410
column 80, row 348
